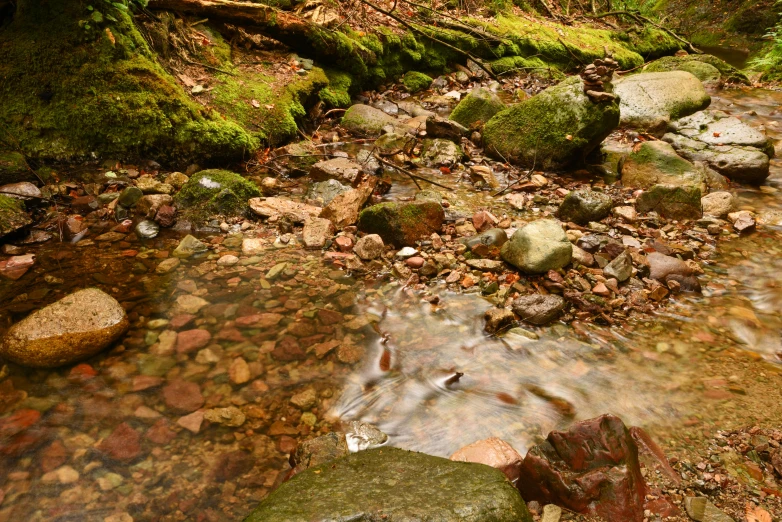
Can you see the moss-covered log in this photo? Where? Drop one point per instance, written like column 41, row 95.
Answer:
column 77, row 82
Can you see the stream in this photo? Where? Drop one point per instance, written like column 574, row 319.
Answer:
column 396, row 366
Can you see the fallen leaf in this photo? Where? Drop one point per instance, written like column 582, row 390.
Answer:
column 757, row 514
column 569, row 137
column 445, row 170
column 717, row 134
column 255, row 103
column 269, row 107
column 110, row 35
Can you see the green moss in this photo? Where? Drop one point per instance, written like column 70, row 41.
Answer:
column 69, row 91
column 416, row 81
column 402, row 224
column 12, row 215
column 337, row 94
column 212, row 192
column 705, row 67
column 477, row 108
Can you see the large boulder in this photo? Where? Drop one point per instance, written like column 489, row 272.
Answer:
column 394, row 485
column 478, row 107
column 13, row 168
column 216, row 192
column 649, row 101
column 672, row 202
column 583, row 206
column 656, row 162
column 724, row 143
column 592, row 468
column 12, row 215
column 73, row 328
column 402, row 224
column 694, row 63
column 364, row 120
column 557, row 127
column 538, row 247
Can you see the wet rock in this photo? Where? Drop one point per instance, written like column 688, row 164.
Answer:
column 147, row 229
column 305, row 400
column 177, row 180
column 743, row 221
column 486, row 265
column 16, row 266
column 23, row 190
column 192, row 422
column 344, row 209
column 191, row 340
column 671, row 202
column 325, row 191
column 538, row 309
column 492, row 238
column 319, row 450
column 369, row 247
column 189, row 247
column 702, row 510
column 538, row 247
column 592, row 469
column 438, row 153
column 415, row 81
column 166, row 216
column 583, row 206
column 149, row 185
column 215, row 192
column 227, row 260
column 437, row 127
column 620, row 268
column 231, row 416
column 73, row 328
column 239, row 371
column 232, row 464
column 148, row 206
column 130, row 196
column 704, row 71
column 183, row 396
column 402, row 224
column 478, row 107
column 666, row 268
column 278, row 207
column 12, row 215
column 493, row 452
column 497, row 318
column 340, row 169
column 123, row 445
column 398, row 485
column 559, row 126
column 656, row 162
column 483, row 174
column 717, row 204
column 167, row 265
column 649, row 101
column 364, row 120
column 316, row 232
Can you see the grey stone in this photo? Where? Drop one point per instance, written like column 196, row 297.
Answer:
column 438, row 153
column 147, row 229
column 188, row 247
column 130, row 196
column 341, row 169
column 583, row 206
column 718, row 204
column 671, row 202
column 620, row 268
column 324, row 192
column 437, row 127
column 538, row 247
column 395, row 485
column 369, row 247
column 367, row 121
column 494, row 237
column 538, row 309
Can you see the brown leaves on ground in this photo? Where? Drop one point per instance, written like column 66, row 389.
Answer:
column 757, row 514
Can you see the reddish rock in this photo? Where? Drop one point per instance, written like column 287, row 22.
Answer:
column 652, row 456
column 192, row 422
column 166, row 216
column 230, row 334
column 483, row 220
column 145, row 382
column 232, row 464
column 592, row 469
column 191, row 340
column 82, row 372
column 258, row 321
column 183, row 396
column 53, row 456
column 415, row 262
column 344, row 243
column 288, row 349
column 160, row 432
column 317, row 451
column 123, row 445
column 328, row 317
column 493, row 452
column 180, row 321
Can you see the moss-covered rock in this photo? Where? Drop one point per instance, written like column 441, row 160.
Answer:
column 701, row 70
column 656, row 162
column 12, row 215
column 216, row 192
column 583, row 206
column 75, row 81
column 13, row 168
column 395, row 485
column 672, row 201
column 337, row 94
column 439, row 153
column 557, row 127
column 477, row 108
column 402, row 224
column 367, row 121
column 415, row 81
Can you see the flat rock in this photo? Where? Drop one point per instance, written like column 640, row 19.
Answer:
column 278, row 207
column 340, row 169
column 671, row 201
column 316, row 232
column 395, row 485
column 364, row 120
column 493, row 452
column 583, row 206
column 12, row 215
column 538, row 247
column 73, row 328
column 402, row 224
column 538, row 309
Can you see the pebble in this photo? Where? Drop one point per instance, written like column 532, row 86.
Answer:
column 227, row 260
column 123, row 445
column 63, row 475
column 369, row 247
column 230, row 416
column 239, row 371
column 167, row 265
column 415, row 262
column 192, row 422
column 305, row 400
column 191, row 340
column 183, row 396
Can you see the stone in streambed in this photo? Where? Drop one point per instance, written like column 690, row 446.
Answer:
column 620, row 268
column 12, row 215
column 493, row 452
column 538, row 309
column 216, row 192
column 369, row 247
column 364, row 120
column 316, row 232
column 718, row 204
column 402, row 224
column 702, row 510
column 478, row 107
column 319, row 450
column 656, row 162
column 74, row 328
column 189, row 247
column 583, row 206
column 497, row 319
column 672, row 202
column 396, row 485
column 123, row 445
column 538, row 247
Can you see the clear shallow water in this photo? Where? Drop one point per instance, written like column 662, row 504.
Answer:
column 399, row 374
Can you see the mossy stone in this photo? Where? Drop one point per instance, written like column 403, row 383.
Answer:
column 337, row 93
column 656, row 162
column 402, row 224
column 367, row 121
column 12, row 215
column 672, row 202
column 394, row 485
column 216, row 192
column 703, row 71
column 13, row 168
column 477, row 108
column 583, row 206
column 415, row 81
column 559, row 126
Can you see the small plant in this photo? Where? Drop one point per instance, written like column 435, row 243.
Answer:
column 103, row 11
column 771, row 60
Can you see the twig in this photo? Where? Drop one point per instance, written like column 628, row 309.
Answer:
column 530, row 171
column 412, row 176
column 191, row 62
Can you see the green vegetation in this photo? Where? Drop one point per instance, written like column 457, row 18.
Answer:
column 212, row 192
column 415, row 81
column 337, row 94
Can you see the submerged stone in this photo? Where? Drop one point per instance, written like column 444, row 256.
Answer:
column 12, row 215
column 402, row 223
column 216, row 192
column 395, row 485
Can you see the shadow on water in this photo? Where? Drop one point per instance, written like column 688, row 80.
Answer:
column 732, row 55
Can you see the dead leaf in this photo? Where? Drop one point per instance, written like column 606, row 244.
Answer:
column 569, row 137
column 255, row 103
column 269, row 107
column 757, row 514
column 110, row 35
column 187, row 80
column 717, row 134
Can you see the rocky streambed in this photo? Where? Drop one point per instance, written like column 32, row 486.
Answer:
column 325, row 288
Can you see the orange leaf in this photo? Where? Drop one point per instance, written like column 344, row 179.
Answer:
column 717, row 134
column 445, row 170
column 757, row 514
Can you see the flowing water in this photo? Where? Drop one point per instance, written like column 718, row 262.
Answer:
column 369, row 349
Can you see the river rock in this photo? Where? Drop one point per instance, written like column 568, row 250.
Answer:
column 538, row 247
column 538, row 309
column 702, row 510
column 364, row 120
column 216, row 192
column 649, row 101
column 230, row 416
column 559, row 126
column 275, row 208
column 478, row 107
column 703, row 71
column 485, row 241
column 497, row 318
column 583, row 206
column 147, row 229
column 671, row 201
column 402, row 224
column 189, row 247
column 717, row 204
column 493, row 452
column 149, row 185
column 316, row 232
column 656, row 162
column 592, row 469
column 369, row 247
column 340, row 169
column 23, row 190
column 12, row 215
column 437, row 127
column 620, row 268
column 123, row 445
column 130, row 196
column 74, row 328
column 726, row 144
column 344, row 208
column 665, row 268
column 325, row 191
column 439, row 153
column 183, row 396
column 395, row 485
column 319, row 450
